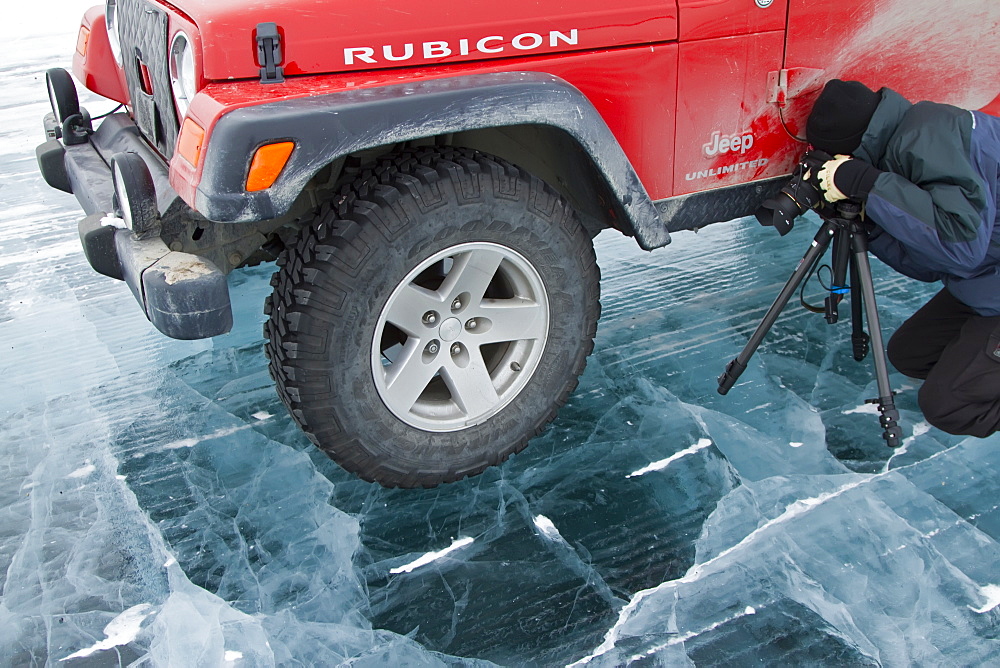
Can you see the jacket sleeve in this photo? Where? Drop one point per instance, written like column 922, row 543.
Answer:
column 893, row 253
column 930, row 198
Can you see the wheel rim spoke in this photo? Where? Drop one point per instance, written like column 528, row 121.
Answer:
column 408, row 376
column 471, row 273
column 407, row 310
column 471, row 387
column 513, row 320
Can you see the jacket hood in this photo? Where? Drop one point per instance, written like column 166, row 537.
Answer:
column 336, row 36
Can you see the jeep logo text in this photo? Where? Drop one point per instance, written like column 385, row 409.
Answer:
column 735, row 143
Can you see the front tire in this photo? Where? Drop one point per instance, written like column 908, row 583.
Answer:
column 433, row 318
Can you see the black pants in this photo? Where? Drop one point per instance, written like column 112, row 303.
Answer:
column 957, row 353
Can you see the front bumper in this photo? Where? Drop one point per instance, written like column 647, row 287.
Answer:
column 185, row 296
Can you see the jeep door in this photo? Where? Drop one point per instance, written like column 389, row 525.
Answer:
column 727, row 132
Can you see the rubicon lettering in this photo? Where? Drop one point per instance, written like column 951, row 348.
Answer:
column 490, row 44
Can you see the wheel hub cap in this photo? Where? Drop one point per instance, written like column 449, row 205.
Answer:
column 450, row 330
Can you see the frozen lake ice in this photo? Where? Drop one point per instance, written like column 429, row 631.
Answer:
column 161, row 508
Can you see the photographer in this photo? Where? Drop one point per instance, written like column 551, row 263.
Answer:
column 927, row 175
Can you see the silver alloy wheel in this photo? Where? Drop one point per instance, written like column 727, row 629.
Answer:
column 460, row 337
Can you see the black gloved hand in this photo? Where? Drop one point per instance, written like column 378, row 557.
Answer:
column 840, row 177
column 851, row 177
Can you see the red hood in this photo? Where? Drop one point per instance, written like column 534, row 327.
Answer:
column 336, row 36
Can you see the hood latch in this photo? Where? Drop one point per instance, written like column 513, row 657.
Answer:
column 269, row 53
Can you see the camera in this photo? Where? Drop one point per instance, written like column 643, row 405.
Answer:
column 800, row 194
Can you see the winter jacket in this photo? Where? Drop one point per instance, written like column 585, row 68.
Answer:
column 935, row 202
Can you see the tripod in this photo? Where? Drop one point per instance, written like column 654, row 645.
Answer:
column 850, row 249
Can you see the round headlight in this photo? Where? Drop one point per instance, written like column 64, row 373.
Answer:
column 111, row 23
column 182, row 75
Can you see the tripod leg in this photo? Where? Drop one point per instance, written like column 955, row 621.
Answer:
column 737, row 366
column 838, row 281
column 886, row 405
column 859, row 338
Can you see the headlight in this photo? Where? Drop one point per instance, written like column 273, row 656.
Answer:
column 182, row 75
column 111, row 23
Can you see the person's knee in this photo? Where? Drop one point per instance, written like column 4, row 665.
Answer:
column 941, row 410
column 900, row 352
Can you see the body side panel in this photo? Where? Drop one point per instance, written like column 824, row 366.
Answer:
column 340, row 36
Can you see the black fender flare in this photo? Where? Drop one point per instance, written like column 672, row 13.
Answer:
column 328, row 126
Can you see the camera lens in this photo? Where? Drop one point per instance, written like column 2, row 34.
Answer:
column 779, row 213
column 797, row 197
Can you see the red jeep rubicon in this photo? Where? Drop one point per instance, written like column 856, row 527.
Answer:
column 430, row 176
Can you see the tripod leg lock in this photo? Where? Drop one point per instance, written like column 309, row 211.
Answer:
column 729, row 377
column 889, row 419
column 860, row 345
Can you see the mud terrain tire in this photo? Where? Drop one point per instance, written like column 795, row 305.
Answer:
column 433, row 318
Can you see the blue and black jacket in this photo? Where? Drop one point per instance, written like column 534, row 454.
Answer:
column 934, row 199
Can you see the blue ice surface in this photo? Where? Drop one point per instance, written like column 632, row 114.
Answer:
column 159, row 506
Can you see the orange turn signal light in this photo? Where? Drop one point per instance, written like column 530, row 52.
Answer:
column 191, row 141
column 267, row 164
column 82, row 41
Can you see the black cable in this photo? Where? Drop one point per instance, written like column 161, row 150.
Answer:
column 802, row 288
column 97, row 118
column 781, row 117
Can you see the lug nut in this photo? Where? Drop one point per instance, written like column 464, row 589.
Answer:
column 457, row 304
column 430, row 318
column 456, row 349
column 433, row 347
column 471, row 324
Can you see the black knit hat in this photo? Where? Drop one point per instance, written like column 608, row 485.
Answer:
column 840, row 116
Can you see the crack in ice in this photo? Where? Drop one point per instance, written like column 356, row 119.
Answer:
column 795, row 510
column 749, row 610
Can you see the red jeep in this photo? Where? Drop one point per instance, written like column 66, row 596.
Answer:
column 430, row 178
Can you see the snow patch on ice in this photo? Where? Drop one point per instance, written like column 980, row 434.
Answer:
column 191, row 442
column 992, row 595
column 664, row 463
column 865, row 409
column 122, row 630
column 83, row 471
column 547, row 528
column 431, row 557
